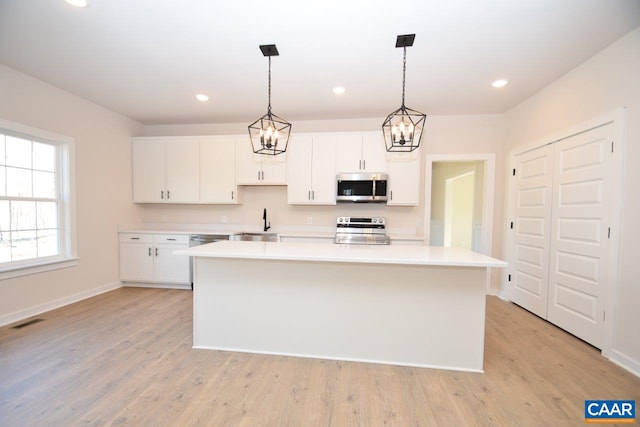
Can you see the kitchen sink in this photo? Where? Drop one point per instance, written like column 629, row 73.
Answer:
column 256, row 237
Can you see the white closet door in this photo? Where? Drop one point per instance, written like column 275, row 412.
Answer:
column 534, row 173
column 579, row 234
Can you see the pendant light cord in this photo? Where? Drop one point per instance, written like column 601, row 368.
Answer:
column 404, row 71
column 269, row 107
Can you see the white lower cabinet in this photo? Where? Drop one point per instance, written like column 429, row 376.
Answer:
column 149, row 259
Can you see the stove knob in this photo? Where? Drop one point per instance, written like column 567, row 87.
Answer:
column 375, row 220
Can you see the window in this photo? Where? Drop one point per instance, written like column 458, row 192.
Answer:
column 35, row 203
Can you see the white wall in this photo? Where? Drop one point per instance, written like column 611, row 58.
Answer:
column 607, row 81
column 103, row 191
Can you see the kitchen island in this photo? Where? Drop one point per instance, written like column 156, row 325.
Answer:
column 404, row 305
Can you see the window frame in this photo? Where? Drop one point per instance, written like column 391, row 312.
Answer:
column 67, row 240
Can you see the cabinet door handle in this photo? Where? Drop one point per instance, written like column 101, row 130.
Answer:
column 364, row 165
column 172, row 240
column 391, row 194
column 313, row 195
column 162, row 194
column 156, row 251
column 263, row 175
column 134, row 238
column 168, row 195
column 309, row 195
column 258, row 175
column 232, row 195
column 359, row 164
column 149, row 251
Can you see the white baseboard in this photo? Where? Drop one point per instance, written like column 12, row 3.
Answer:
column 626, row 362
column 60, row 302
column 157, row 285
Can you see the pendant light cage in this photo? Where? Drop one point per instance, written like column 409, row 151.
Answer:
column 403, row 128
column 269, row 134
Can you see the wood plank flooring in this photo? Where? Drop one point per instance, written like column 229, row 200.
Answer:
column 124, row 358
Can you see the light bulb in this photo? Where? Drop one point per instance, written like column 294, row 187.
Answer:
column 394, row 133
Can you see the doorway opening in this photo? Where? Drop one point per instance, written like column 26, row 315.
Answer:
column 459, row 201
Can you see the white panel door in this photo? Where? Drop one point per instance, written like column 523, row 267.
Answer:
column 579, row 236
column 534, row 174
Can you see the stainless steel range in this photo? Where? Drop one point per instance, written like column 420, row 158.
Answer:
column 361, row 231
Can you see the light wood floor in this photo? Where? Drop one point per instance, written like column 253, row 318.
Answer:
column 125, row 358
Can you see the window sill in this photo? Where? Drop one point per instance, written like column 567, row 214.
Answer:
column 24, row 270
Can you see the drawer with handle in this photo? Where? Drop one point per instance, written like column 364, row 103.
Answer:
column 182, row 239
column 136, row 238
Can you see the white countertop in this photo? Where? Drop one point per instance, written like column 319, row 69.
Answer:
column 231, row 229
column 370, row 254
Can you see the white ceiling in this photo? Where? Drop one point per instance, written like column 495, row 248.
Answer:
column 148, row 58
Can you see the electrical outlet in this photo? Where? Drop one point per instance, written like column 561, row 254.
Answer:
column 309, row 220
column 223, row 219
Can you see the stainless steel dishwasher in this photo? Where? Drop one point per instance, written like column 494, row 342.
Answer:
column 203, row 239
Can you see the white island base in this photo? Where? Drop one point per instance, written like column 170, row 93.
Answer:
column 402, row 314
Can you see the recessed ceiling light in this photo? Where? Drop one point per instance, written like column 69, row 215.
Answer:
column 500, row 83
column 202, row 97
column 339, row 90
column 78, row 3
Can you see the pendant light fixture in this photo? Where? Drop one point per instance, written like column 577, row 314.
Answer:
column 403, row 128
column 270, row 133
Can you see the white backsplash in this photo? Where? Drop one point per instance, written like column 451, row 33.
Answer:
column 281, row 215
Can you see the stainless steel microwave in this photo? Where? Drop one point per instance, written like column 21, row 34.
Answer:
column 362, row 187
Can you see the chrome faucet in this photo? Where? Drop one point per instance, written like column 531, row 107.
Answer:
column 264, row 217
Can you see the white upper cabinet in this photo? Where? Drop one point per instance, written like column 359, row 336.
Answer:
column 259, row 169
column 165, row 171
column 181, row 168
column 218, row 170
column 148, row 171
column 311, row 170
column 361, row 152
column 210, row 169
column 323, row 172
column 404, row 178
